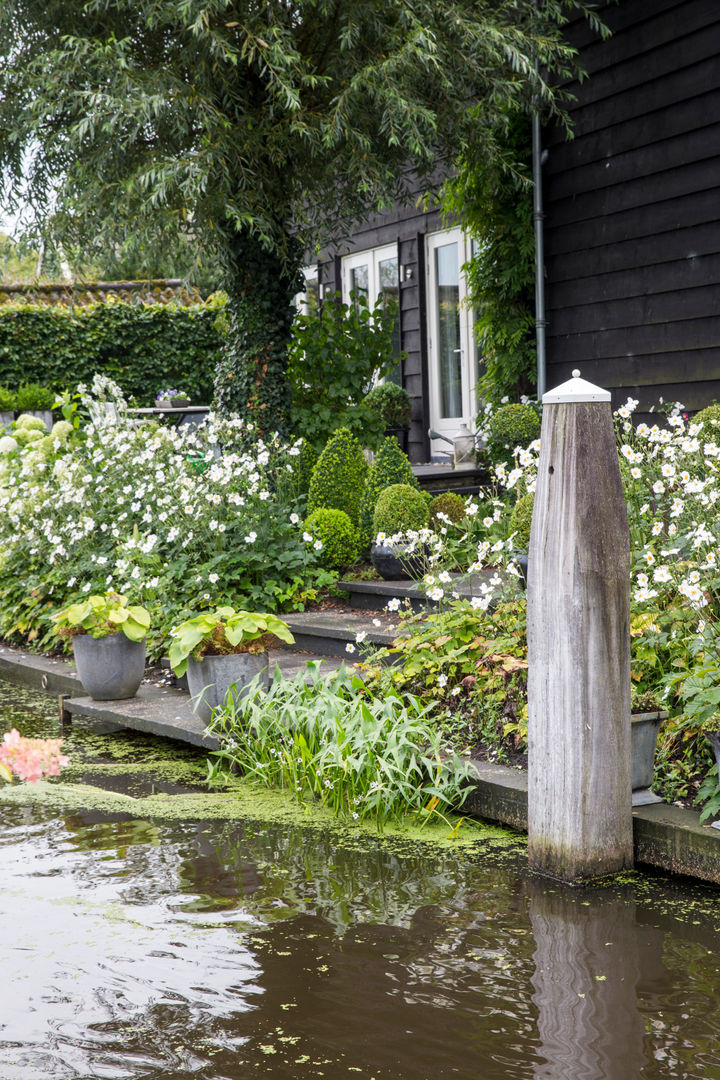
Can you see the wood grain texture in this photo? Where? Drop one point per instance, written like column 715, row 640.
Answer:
column 579, row 801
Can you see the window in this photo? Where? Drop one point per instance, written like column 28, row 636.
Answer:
column 374, row 275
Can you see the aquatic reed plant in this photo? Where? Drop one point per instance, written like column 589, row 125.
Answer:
column 326, row 736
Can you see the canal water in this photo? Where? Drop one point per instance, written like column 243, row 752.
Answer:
column 152, row 932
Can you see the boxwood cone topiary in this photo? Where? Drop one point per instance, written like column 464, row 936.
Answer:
column 339, row 537
column 450, row 505
column 338, row 479
column 391, row 466
column 520, row 520
column 399, row 507
column 511, row 426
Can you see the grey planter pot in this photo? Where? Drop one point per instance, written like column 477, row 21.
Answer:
column 644, row 728
column 45, row 415
column 211, row 679
column 110, row 668
column 172, row 403
column 6, row 419
column 393, row 566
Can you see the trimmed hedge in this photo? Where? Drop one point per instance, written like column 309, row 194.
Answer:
column 144, row 347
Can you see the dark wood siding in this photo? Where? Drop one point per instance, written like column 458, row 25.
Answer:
column 405, row 227
column 632, row 208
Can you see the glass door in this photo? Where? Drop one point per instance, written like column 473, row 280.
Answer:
column 374, row 275
column 451, row 349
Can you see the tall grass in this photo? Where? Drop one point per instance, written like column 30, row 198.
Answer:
column 327, row 737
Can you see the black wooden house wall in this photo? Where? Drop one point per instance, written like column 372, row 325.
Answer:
column 406, row 227
column 632, row 208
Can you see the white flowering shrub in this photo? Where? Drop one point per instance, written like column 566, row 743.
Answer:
column 177, row 519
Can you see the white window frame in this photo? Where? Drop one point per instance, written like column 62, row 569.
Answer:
column 371, row 257
column 450, row 427
column 310, row 273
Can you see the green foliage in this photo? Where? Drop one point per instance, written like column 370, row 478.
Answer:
column 303, row 467
column 34, row 397
column 449, row 505
column 338, row 535
column 256, row 127
column 492, row 196
column 399, row 507
column 335, row 354
column 328, row 738
column 473, row 663
column 100, row 616
column 520, row 520
column 222, row 631
column 144, row 347
column 390, row 466
column 710, row 418
column 7, row 400
column 392, row 403
column 511, row 426
column 338, row 478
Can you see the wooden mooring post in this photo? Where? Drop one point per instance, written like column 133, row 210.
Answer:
column 578, row 599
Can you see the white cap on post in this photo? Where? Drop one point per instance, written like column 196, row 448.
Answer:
column 575, row 389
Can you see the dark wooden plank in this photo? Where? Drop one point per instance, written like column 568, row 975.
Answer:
column 663, row 277
column 645, row 191
column 660, row 217
column 648, row 310
column 648, row 27
column 618, row 16
column 667, row 337
column 679, row 84
column 647, row 369
column 678, row 118
column 655, row 158
column 692, row 243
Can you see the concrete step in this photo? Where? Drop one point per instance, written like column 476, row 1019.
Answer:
column 327, row 633
column 374, row 595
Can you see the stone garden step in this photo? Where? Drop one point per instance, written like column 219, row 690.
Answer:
column 374, row 595
column 327, row 633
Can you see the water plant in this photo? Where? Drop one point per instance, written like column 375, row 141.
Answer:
column 327, row 737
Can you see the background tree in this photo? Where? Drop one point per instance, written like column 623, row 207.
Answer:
column 256, row 128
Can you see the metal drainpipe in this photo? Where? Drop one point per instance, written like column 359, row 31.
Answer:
column 538, row 215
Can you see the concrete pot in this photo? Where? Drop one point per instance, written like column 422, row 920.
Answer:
column 393, row 565
column 45, row 415
column 211, row 679
column 6, row 419
column 172, row 403
column 644, row 728
column 111, row 667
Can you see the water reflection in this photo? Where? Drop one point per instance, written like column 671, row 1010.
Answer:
column 587, row 968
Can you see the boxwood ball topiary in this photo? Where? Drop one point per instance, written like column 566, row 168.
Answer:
column 399, row 507
column 520, row 520
column 511, row 426
column 450, row 505
column 709, row 417
column 340, row 543
column 390, row 466
column 338, row 479
column 392, row 402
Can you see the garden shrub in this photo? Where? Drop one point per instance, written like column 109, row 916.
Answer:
column 390, row 466
column 144, row 347
column 305, row 462
column 511, row 426
column 338, row 479
column 334, row 356
column 7, row 400
column 118, row 506
column 710, row 417
column 338, row 535
column 520, row 520
column 399, row 508
column 450, row 505
column 392, row 403
column 33, row 396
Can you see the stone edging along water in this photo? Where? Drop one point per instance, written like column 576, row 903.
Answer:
column 667, row 837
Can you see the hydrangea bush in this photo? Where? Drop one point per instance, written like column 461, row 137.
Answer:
column 175, row 518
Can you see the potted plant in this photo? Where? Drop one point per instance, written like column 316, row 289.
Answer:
column 392, row 402
column 36, row 400
column 399, row 508
column 222, row 651
column 7, row 407
column 108, row 638
column 172, row 399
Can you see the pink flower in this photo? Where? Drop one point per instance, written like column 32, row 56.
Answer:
column 31, row 759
